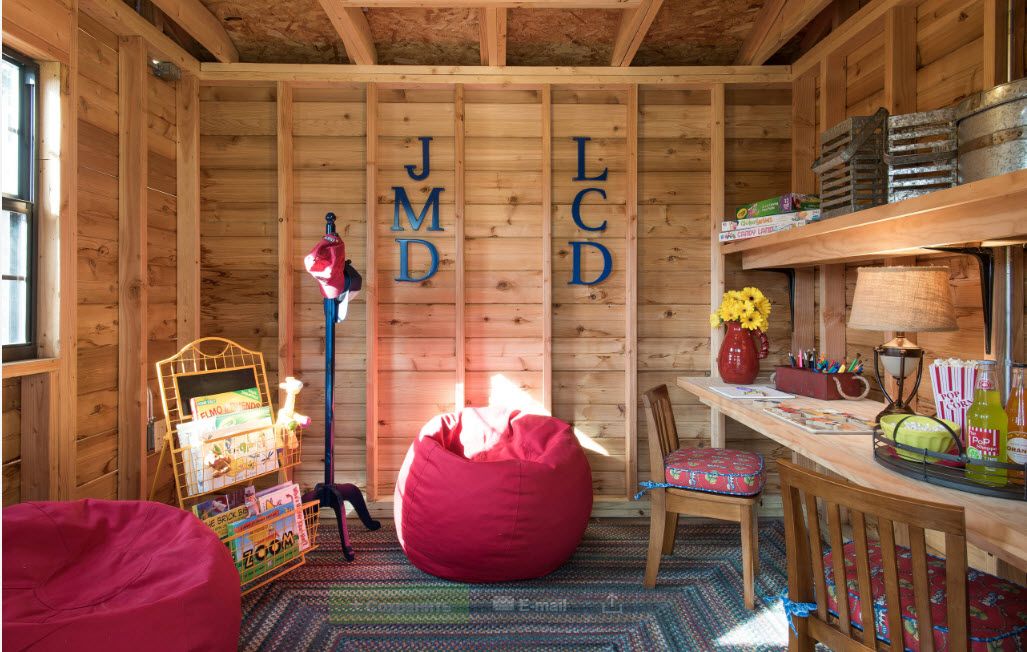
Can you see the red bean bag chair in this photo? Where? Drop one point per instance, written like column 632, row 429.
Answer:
column 491, row 495
column 115, row 575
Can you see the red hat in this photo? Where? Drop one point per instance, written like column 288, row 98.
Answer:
column 326, row 262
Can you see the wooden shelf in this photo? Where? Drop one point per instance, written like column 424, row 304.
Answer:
column 29, row 367
column 987, row 211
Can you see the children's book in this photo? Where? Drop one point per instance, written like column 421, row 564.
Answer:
column 225, row 403
column 221, row 503
column 224, row 449
column 285, row 493
column 750, row 391
column 264, row 541
column 817, row 421
column 222, row 521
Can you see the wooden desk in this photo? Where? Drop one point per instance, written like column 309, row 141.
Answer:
column 995, row 525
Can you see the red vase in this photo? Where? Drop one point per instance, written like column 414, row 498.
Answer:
column 739, row 359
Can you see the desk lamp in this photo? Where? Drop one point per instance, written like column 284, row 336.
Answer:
column 902, row 300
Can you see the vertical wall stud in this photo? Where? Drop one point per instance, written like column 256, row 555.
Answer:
column 547, row 247
column 51, row 474
column 718, row 170
column 458, row 228
column 900, row 60
column 832, row 277
column 995, row 42
column 631, row 297
column 132, row 272
column 804, row 152
column 371, row 292
column 286, row 228
column 187, row 101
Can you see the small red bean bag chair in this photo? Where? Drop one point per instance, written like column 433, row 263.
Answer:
column 492, row 495
column 115, row 575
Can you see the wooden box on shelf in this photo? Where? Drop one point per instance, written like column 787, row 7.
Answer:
column 851, row 167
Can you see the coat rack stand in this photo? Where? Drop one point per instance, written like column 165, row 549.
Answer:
column 329, row 493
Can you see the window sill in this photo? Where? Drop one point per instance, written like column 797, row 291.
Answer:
column 20, row 368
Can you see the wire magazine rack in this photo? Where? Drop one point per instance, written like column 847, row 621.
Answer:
column 228, row 462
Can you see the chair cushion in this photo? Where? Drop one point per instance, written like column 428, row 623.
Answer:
column 716, row 470
column 998, row 609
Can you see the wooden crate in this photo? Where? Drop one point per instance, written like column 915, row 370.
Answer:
column 851, row 167
column 921, row 154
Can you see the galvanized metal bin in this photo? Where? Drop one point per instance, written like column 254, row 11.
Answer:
column 921, row 153
column 851, row 167
column 992, row 132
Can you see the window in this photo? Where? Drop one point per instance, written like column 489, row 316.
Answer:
column 18, row 95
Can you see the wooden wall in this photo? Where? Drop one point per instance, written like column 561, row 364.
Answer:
column 474, row 333
column 11, row 441
column 97, row 444
column 949, row 67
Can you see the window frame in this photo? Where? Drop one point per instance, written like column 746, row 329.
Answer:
column 26, row 200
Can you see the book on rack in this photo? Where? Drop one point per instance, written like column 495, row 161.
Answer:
column 220, row 503
column 264, row 541
column 798, row 217
column 755, row 231
column 222, row 450
column 282, row 494
column 225, row 403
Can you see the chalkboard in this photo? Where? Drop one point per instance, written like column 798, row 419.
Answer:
column 212, row 382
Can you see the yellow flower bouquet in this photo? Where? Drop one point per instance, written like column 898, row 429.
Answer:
column 746, row 314
column 748, row 306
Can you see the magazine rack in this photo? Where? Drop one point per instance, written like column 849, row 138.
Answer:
column 211, row 365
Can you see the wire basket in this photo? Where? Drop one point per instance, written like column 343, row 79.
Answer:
column 271, row 548
column 242, row 456
column 851, row 168
column 948, row 470
column 921, row 153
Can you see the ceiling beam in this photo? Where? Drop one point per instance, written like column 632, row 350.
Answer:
column 202, row 25
column 506, row 4
column 351, row 24
column 123, row 21
column 634, row 23
column 528, row 76
column 492, row 25
column 778, row 22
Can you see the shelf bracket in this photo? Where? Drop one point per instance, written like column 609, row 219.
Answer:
column 790, row 273
column 985, row 257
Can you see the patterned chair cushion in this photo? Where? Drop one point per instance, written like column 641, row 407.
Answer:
column 716, row 470
column 998, row 609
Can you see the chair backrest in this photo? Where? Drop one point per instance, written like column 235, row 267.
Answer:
column 867, row 509
column 663, row 432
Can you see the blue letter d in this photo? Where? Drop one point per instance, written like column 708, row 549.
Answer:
column 576, row 245
column 404, row 260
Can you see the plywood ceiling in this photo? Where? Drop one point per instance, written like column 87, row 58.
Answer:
column 685, row 32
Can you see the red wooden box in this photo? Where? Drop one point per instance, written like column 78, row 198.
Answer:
column 829, row 387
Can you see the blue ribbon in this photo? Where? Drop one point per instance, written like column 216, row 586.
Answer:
column 799, row 609
column 649, row 484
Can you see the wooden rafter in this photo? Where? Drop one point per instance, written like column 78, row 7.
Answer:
column 492, row 23
column 634, row 23
column 202, row 25
column 698, row 76
column 351, row 24
column 120, row 19
column 778, row 22
column 508, row 4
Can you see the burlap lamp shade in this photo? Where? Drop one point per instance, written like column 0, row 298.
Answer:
column 903, row 299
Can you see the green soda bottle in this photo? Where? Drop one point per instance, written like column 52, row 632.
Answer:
column 986, row 428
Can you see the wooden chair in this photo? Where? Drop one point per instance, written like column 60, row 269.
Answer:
column 667, row 503
column 807, row 573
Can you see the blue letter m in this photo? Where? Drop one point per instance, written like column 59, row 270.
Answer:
column 401, row 199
